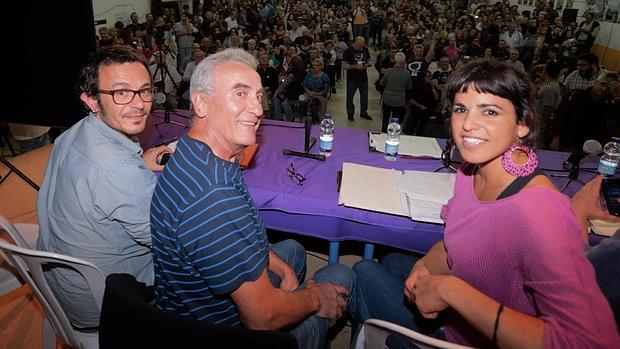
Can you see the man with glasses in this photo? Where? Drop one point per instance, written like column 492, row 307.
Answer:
column 94, row 200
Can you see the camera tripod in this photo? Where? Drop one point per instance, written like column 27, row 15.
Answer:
column 162, row 70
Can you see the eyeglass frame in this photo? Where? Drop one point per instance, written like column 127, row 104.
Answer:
column 135, row 92
column 295, row 176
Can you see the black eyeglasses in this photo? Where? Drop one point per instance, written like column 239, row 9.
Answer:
column 126, row 96
column 296, row 177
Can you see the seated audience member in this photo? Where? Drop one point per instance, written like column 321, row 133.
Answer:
column 268, row 78
column 501, row 270
column 288, row 91
column 588, row 114
column 424, row 100
column 94, row 200
column 587, row 72
column 316, row 85
column 212, row 259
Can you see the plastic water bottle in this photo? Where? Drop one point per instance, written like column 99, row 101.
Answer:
column 609, row 160
column 326, row 140
column 393, row 140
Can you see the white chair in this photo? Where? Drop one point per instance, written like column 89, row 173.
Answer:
column 24, row 235
column 30, row 263
column 374, row 333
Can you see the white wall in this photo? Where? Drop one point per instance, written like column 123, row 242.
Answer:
column 119, row 10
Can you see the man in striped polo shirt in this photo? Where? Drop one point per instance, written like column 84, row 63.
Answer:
column 212, row 259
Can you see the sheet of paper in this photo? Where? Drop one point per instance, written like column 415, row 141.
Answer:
column 425, row 211
column 370, row 188
column 409, row 145
column 425, row 193
column 429, row 186
column 604, row 228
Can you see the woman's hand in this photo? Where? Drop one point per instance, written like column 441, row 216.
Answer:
column 428, row 294
column 417, row 271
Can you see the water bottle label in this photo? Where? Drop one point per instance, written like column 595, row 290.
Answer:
column 607, row 168
column 391, row 148
column 326, row 142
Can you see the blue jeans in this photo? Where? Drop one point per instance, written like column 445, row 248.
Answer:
column 312, row 332
column 353, row 86
column 282, row 108
column 380, row 295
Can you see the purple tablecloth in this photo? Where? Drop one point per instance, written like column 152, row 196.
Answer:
column 312, row 209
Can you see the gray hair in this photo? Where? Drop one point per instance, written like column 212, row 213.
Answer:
column 202, row 77
column 400, row 58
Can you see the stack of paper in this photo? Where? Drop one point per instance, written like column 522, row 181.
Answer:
column 425, row 193
column 409, row 145
column 370, row 188
column 416, row 194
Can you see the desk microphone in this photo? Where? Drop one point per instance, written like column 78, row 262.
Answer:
column 590, row 147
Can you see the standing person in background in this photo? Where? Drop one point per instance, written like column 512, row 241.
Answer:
column 184, row 31
column 356, row 60
column 501, row 268
column 396, row 84
column 94, row 200
column 359, row 23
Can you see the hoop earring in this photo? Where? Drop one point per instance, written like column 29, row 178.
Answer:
column 520, row 170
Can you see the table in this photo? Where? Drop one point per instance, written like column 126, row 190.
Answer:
column 312, row 209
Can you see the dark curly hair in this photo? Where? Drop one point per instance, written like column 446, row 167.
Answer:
column 499, row 79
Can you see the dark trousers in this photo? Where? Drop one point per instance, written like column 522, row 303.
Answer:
column 352, row 87
column 338, row 69
column 390, row 112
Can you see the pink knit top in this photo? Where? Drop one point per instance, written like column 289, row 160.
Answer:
column 525, row 252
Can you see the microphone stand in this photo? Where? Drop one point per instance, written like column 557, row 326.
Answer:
column 162, row 68
column 573, row 175
column 308, row 141
column 446, row 160
column 17, row 172
column 168, row 110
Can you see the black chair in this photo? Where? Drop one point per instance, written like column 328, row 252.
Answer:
column 129, row 321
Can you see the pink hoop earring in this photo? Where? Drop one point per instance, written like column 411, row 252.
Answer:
column 520, row 170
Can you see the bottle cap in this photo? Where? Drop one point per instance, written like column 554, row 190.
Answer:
column 394, row 120
column 327, row 116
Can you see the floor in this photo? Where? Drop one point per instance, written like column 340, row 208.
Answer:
column 21, row 315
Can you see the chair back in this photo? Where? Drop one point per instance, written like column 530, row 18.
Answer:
column 127, row 313
column 24, row 235
column 374, row 333
column 13, row 232
column 30, row 265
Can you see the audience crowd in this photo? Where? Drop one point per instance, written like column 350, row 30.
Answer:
column 436, row 36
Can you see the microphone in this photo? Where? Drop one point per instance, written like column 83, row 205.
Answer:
column 590, row 147
column 160, row 98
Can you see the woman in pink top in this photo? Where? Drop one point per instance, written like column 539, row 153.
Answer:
column 511, row 271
